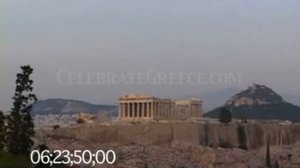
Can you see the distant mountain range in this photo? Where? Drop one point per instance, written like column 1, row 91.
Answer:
column 66, row 106
column 256, row 102
column 259, row 102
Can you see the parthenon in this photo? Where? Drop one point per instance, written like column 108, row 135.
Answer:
column 143, row 107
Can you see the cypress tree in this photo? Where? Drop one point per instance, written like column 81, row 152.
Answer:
column 20, row 124
column 2, row 131
column 242, row 135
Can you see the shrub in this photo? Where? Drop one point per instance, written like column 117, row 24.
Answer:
column 225, row 116
column 268, row 153
column 242, row 137
column 225, row 144
column 8, row 160
column 56, row 127
column 80, row 121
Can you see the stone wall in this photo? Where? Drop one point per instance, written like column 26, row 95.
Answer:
column 192, row 133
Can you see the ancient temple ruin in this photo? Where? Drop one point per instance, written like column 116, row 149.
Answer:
column 134, row 107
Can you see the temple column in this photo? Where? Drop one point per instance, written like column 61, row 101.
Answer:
column 193, row 110
column 169, row 109
column 152, row 109
column 158, row 110
column 145, row 109
column 155, row 110
column 122, row 110
column 164, row 110
column 132, row 110
column 142, row 109
column 173, row 110
column 166, row 107
column 138, row 110
column 135, row 109
column 128, row 109
column 149, row 109
column 161, row 109
column 125, row 110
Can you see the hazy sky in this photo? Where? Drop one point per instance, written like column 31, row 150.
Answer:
column 258, row 38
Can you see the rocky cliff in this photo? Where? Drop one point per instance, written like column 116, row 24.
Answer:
column 182, row 145
column 214, row 135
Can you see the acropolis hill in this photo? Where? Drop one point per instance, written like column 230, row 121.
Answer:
column 180, row 121
column 183, row 144
column 165, row 133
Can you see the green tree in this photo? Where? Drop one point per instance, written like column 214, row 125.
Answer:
column 268, row 154
column 80, row 121
column 20, row 125
column 242, row 135
column 225, row 116
column 2, row 131
column 277, row 164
